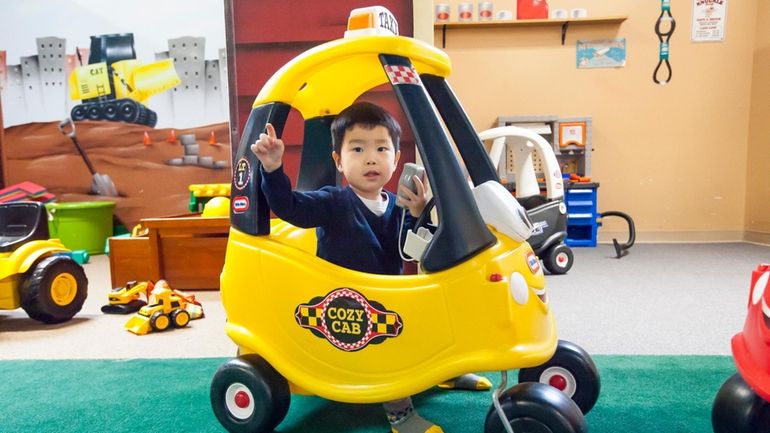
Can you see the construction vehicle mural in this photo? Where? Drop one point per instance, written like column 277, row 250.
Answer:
column 115, row 86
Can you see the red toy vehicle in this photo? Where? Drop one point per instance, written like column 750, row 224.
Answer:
column 742, row 404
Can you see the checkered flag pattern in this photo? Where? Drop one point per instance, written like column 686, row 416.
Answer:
column 384, row 323
column 402, row 75
column 309, row 316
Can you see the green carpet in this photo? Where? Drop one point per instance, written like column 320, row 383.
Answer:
column 657, row 394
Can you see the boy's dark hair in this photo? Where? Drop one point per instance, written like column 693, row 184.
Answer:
column 367, row 115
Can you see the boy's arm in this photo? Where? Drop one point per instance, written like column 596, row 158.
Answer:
column 303, row 209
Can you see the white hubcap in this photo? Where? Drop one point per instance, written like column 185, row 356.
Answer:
column 570, row 381
column 239, row 401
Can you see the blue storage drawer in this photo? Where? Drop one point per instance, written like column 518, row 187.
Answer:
column 582, row 215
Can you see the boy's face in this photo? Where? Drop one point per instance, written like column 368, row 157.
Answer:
column 367, row 159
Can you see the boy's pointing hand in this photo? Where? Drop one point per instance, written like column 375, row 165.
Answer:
column 269, row 149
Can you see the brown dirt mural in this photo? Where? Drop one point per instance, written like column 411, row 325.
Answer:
column 147, row 186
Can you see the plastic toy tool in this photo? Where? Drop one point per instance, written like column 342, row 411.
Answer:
column 742, row 404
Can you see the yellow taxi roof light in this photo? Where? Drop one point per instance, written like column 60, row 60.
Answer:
column 373, row 20
column 362, row 21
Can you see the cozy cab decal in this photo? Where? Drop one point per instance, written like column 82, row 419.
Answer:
column 348, row 320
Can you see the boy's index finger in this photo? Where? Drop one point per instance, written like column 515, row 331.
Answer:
column 270, row 130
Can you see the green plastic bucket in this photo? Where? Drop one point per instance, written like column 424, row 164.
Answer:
column 81, row 225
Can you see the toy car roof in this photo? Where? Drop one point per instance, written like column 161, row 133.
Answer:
column 328, row 78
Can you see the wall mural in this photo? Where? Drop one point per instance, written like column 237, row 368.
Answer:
column 125, row 107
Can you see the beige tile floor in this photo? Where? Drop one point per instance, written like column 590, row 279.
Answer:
column 94, row 335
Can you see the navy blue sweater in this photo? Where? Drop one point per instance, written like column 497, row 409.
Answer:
column 348, row 233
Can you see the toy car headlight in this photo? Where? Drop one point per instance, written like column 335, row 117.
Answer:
column 500, row 209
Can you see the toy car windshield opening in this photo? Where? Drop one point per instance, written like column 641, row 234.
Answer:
column 461, row 233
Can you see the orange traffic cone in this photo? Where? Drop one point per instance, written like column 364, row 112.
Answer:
column 146, row 140
column 172, row 136
column 212, row 138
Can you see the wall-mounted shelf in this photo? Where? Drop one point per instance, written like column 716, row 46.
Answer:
column 564, row 23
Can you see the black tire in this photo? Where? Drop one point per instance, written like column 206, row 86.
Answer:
column 78, row 113
column 54, row 290
column 94, row 112
column 536, row 408
column 180, row 318
column 110, row 111
column 571, row 370
column 266, row 395
column 558, row 259
column 127, row 110
column 738, row 409
column 160, row 321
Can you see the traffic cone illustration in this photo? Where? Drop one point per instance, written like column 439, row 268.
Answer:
column 146, row 139
column 172, row 136
column 212, row 138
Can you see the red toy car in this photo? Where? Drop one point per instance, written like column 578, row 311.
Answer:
column 742, row 404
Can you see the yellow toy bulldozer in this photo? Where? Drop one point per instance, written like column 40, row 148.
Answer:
column 115, row 86
column 127, row 299
column 166, row 307
column 37, row 274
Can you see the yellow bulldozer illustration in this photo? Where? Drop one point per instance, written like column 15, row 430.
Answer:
column 115, row 86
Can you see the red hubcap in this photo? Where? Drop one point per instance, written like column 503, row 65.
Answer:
column 561, row 259
column 241, row 399
column 558, row 382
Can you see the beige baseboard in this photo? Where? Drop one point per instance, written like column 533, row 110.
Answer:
column 757, row 237
column 687, row 236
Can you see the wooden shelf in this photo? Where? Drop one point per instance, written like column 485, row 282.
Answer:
column 564, row 23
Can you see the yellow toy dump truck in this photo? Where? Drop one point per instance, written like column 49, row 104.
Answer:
column 37, row 273
column 115, row 86
column 166, row 307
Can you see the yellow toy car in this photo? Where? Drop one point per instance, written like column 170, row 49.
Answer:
column 305, row 325
column 37, row 274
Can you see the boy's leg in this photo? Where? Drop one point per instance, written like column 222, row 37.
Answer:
column 468, row 381
column 403, row 418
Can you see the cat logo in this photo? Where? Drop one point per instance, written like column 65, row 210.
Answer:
column 348, row 320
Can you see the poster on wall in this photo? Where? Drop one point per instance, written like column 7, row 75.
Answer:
column 607, row 53
column 708, row 20
column 136, row 95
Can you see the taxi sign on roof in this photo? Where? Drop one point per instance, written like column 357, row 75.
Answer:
column 373, row 20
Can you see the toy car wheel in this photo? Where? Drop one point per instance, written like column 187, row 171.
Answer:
column 570, row 370
column 534, row 407
column 248, row 395
column 159, row 321
column 738, row 409
column 54, row 290
column 558, row 259
column 180, row 318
